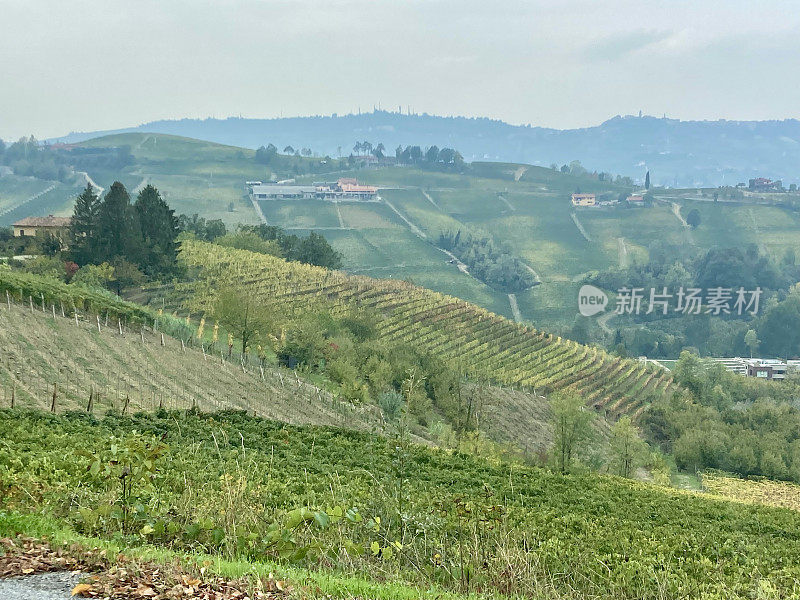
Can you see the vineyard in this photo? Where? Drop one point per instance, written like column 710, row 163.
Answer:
column 755, row 491
column 359, row 507
column 96, row 365
column 479, row 344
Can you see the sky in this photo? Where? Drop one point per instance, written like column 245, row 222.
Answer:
column 87, row 65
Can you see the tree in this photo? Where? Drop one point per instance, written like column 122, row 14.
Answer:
column 627, row 448
column 241, row 314
column 693, row 218
column 94, row 275
column 315, row 250
column 159, row 228
column 572, row 428
column 432, row 154
column 126, row 274
column 288, row 150
column 83, row 228
column 752, row 341
column 265, row 155
column 647, row 181
column 118, row 230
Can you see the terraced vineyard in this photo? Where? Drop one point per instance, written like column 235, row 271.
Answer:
column 137, row 370
column 480, row 344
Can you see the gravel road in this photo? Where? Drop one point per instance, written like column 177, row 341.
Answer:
column 47, row 586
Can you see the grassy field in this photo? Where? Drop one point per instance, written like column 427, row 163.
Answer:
column 360, row 507
column 525, row 207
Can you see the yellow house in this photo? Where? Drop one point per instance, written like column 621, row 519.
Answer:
column 584, row 200
column 30, row 226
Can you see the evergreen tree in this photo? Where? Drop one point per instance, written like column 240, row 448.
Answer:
column 159, row 228
column 118, row 231
column 83, row 229
column 647, row 181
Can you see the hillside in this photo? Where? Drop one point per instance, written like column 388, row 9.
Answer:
column 379, row 518
column 476, row 342
column 524, row 208
column 134, row 371
column 45, row 351
column 678, row 153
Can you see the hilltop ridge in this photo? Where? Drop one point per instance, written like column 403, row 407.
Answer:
column 678, row 153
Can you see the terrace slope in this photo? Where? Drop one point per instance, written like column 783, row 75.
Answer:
column 481, row 345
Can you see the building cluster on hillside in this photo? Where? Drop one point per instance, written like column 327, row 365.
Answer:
column 762, row 184
column 762, row 368
column 343, row 189
column 579, row 199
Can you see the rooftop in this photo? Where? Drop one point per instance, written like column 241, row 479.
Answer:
column 48, row 221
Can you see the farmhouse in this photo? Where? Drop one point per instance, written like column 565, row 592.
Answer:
column 30, row 226
column 283, row 192
column 343, row 189
column 584, row 200
column 762, row 184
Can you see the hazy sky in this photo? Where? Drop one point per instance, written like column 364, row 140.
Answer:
column 86, row 65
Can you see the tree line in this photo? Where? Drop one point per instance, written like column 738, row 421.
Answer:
column 113, row 229
column 488, row 261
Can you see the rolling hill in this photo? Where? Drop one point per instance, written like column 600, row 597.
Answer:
column 481, row 345
column 678, row 153
column 115, row 352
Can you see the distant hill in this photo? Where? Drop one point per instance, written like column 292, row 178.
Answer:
column 678, row 153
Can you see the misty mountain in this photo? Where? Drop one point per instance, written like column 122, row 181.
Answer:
column 678, row 153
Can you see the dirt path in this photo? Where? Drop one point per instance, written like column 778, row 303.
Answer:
column 414, row 229
column 508, row 204
column 257, row 208
column 100, row 189
column 431, row 200
column 144, row 141
column 603, row 320
column 421, row 235
column 580, row 227
column 623, row 253
column 676, row 210
column 339, row 214
column 520, row 172
column 512, row 299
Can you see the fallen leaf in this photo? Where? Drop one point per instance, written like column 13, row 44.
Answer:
column 79, row 589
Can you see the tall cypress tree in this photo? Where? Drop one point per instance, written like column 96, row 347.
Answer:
column 83, row 229
column 118, row 232
column 159, row 227
column 647, row 181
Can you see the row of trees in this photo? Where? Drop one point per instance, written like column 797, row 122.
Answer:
column 143, row 233
column 487, row 261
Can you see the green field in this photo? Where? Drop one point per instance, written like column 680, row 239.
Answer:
column 256, row 490
column 525, row 207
